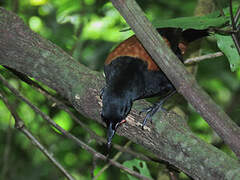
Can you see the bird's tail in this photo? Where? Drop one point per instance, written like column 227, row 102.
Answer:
column 190, row 35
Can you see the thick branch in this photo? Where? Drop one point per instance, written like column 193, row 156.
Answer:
column 184, row 82
column 170, row 139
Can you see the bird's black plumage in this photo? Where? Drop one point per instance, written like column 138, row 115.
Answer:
column 131, row 74
column 128, row 79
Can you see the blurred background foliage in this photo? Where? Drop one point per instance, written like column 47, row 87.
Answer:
column 88, row 30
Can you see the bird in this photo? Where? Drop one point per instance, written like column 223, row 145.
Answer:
column 131, row 74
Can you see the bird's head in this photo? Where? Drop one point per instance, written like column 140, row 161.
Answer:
column 114, row 111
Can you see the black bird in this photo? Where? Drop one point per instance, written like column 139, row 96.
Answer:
column 131, row 74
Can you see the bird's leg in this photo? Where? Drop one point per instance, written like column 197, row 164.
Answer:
column 101, row 92
column 155, row 108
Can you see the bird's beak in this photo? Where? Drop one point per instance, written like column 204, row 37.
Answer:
column 110, row 134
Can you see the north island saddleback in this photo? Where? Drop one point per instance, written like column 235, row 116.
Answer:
column 131, row 74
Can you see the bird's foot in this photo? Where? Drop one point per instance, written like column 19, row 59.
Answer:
column 155, row 108
column 150, row 111
column 101, row 92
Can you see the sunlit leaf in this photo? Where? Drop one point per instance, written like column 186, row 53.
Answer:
column 38, row 2
column 35, row 23
column 63, row 120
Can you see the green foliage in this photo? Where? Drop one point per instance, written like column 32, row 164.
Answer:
column 139, row 166
column 195, row 22
column 88, row 30
column 213, row 20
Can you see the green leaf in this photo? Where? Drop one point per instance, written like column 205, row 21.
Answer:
column 195, row 22
column 138, row 165
column 227, row 46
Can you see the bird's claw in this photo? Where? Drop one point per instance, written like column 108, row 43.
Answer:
column 150, row 111
column 148, row 116
column 145, row 110
column 101, row 92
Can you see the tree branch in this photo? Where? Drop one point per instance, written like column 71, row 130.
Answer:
column 170, row 139
column 117, row 156
column 201, row 58
column 184, row 82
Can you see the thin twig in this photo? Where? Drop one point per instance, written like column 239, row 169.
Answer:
column 94, row 164
column 19, row 124
column 49, row 155
column 7, row 150
column 115, row 158
column 231, row 15
column 201, row 58
column 29, row 81
column 69, row 135
column 237, row 15
column 236, row 42
column 234, row 27
column 236, row 18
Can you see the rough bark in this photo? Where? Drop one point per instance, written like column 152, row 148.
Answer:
column 170, row 139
